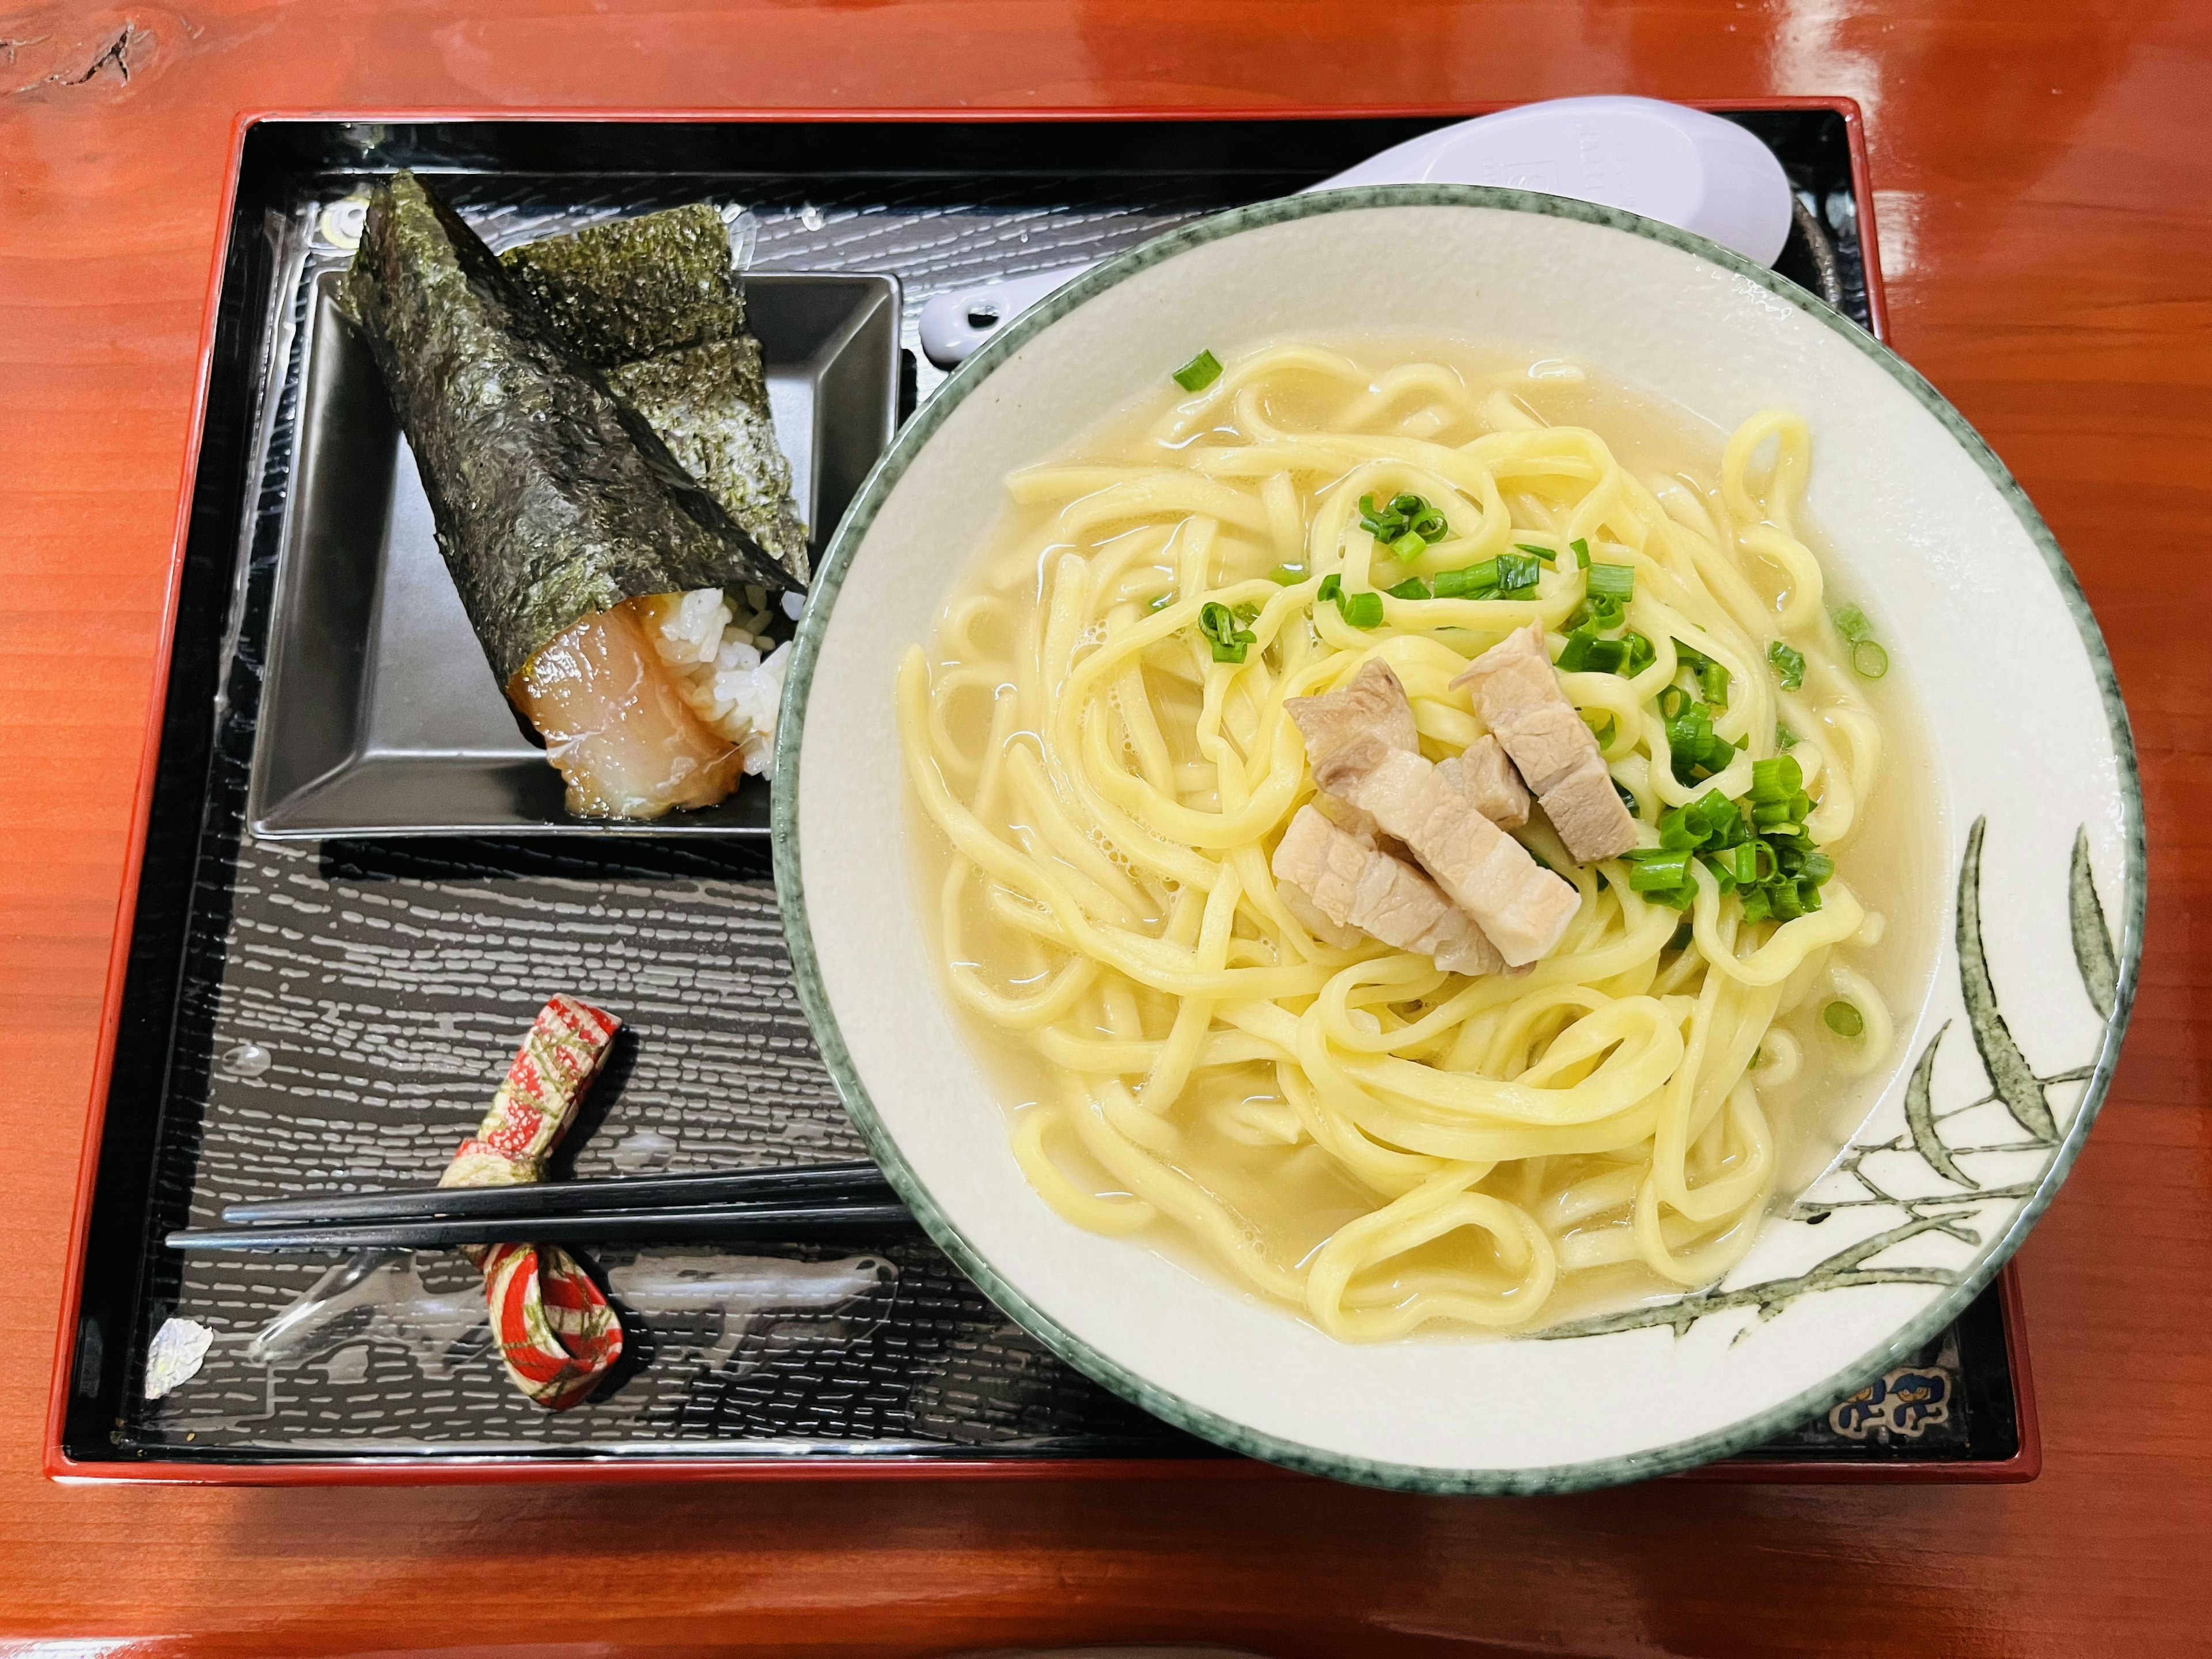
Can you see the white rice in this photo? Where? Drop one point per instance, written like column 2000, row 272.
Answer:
column 718, row 667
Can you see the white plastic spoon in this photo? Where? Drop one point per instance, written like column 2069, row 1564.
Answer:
column 1665, row 162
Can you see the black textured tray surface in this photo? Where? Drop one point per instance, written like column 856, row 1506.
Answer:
column 304, row 1018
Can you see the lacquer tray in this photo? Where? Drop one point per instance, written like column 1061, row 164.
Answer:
column 293, row 1017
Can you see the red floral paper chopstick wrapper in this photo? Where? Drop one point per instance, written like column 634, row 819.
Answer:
column 556, row 1333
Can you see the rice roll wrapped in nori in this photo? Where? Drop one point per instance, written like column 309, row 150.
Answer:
column 653, row 301
column 554, row 502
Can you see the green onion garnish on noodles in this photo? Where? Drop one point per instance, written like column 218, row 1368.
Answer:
column 1412, row 588
column 1548, row 555
column 1693, row 743
column 1509, row 576
column 1789, row 665
column 1851, row 622
column 1218, row 624
column 1161, row 602
column 1586, row 652
column 1199, row 373
column 1616, row 582
column 1674, row 702
column 1517, row 571
column 1642, row 653
column 1473, row 582
column 1409, row 547
column 1844, row 1019
column 1785, row 738
column 1582, row 553
column 1361, row 609
column 1404, row 516
column 1779, row 779
column 1286, row 575
column 1656, row 870
column 1712, row 678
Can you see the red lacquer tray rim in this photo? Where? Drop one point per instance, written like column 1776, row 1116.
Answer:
column 418, row 1470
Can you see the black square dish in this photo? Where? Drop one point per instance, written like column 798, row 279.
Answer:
column 379, row 714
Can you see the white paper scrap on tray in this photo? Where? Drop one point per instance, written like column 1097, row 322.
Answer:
column 173, row 1356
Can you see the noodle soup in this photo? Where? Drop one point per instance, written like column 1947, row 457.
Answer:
column 1110, row 742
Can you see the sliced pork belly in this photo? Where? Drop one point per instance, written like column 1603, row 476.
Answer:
column 1522, row 907
column 1352, row 883
column 1373, row 705
column 1487, row 779
column 1517, row 693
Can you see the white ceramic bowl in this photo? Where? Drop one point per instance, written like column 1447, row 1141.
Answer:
column 2035, row 780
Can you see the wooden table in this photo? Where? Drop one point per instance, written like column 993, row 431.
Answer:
column 2042, row 179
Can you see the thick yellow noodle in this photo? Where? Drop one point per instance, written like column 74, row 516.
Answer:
column 1111, row 795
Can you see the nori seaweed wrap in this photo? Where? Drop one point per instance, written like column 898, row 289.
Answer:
column 634, row 287
column 709, row 405
column 653, row 303
column 554, row 499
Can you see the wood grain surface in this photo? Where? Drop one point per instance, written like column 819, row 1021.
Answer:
column 2042, row 185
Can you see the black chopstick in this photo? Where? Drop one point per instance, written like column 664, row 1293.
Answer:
column 795, row 1189
column 640, row 1226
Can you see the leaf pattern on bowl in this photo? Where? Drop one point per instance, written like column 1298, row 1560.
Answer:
column 1953, row 1212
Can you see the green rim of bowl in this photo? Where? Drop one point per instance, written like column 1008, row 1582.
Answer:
column 790, row 887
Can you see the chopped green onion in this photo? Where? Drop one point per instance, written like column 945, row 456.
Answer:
column 1361, row 609
column 1739, row 865
column 1789, row 665
column 1673, row 702
column 1642, row 653
column 1412, row 588
column 1218, row 624
column 1602, row 731
column 1785, row 738
column 1474, row 581
column 1869, row 659
column 1582, row 553
column 1652, row 871
column 1161, row 602
column 1586, row 653
column 1432, row 527
column 1199, row 373
column 1407, row 505
column 1615, row 582
column 1517, row 571
column 1507, row 574
column 1776, row 780
column 1548, row 555
column 1286, row 575
column 1844, row 1019
column 1409, row 547
column 1851, row 622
